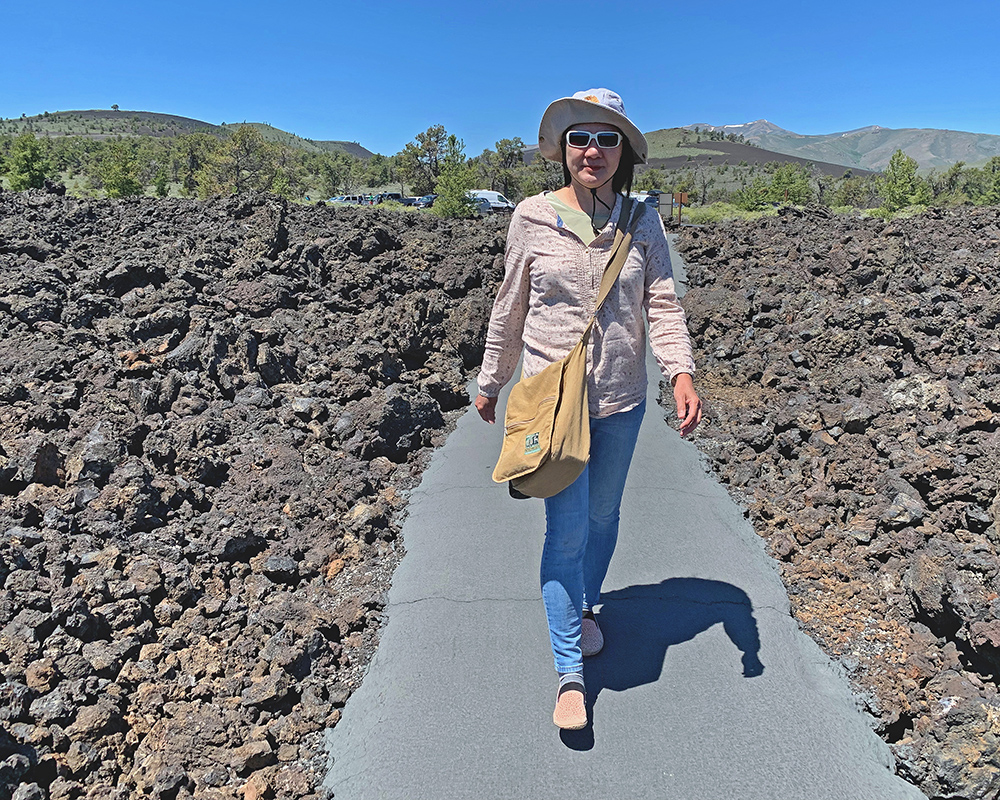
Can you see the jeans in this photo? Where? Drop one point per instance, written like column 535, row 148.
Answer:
column 581, row 530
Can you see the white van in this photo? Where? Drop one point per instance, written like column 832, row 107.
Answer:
column 498, row 202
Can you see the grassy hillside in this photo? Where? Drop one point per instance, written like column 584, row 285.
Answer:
column 351, row 148
column 664, row 143
column 101, row 124
column 272, row 134
column 734, row 153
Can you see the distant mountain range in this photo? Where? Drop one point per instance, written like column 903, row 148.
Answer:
column 101, row 124
column 870, row 147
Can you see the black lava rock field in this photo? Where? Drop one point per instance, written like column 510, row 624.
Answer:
column 851, row 372
column 211, row 412
column 209, row 415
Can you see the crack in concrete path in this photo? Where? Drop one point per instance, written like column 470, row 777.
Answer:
column 621, row 598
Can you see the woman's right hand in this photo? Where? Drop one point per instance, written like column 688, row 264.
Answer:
column 689, row 407
column 487, row 408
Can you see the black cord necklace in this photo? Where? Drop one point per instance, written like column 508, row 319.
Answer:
column 593, row 213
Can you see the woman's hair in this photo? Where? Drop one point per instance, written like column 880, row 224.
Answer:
column 621, row 181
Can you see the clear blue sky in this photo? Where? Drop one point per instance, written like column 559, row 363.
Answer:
column 379, row 72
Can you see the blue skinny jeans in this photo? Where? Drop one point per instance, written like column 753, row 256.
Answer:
column 581, row 530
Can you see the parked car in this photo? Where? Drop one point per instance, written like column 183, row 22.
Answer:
column 498, row 203
column 651, row 198
column 394, row 197
column 426, row 201
column 482, row 205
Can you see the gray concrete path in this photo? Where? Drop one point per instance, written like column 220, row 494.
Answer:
column 706, row 688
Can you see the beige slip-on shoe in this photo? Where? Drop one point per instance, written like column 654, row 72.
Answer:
column 571, row 708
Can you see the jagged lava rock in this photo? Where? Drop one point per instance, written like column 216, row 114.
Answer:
column 851, row 374
column 210, row 413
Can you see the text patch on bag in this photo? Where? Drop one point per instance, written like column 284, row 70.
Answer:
column 531, row 444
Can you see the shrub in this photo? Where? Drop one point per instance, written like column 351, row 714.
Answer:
column 900, row 186
column 161, row 183
column 119, row 171
column 456, row 180
column 790, row 184
column 27, row 167
column 753, row 197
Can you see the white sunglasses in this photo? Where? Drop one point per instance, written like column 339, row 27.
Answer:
column 606, row 140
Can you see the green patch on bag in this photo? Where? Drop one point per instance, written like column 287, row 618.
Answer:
column 531, row 444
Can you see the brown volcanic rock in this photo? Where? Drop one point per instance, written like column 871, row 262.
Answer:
column 209, row 415
column 850, row 370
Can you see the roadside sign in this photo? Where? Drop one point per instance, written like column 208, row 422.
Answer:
column 680, row 200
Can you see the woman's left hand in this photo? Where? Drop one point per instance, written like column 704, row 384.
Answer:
column 688, row 403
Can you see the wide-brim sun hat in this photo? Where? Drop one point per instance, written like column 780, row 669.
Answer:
column 593, row 105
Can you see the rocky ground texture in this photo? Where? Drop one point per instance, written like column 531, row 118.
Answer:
column 210, row 413
column 851, row 372
column 209, row 416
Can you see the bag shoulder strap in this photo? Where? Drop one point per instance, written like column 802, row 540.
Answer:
column 619, row 253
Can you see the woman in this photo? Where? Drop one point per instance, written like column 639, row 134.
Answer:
column 557, row 248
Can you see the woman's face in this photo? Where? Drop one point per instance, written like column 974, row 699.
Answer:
column 593, row 166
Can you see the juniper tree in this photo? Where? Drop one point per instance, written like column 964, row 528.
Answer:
column 27, row 166
column 900, row 186
column 420, row 161
column 454, row 182
column 119, row 171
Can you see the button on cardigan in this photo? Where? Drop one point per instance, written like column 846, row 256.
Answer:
column 548, row 295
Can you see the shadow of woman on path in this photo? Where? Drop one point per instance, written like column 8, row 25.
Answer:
column 641, row 622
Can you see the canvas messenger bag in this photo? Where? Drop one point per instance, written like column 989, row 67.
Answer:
column 546, row 442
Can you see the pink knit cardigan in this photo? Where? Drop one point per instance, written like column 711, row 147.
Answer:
column 548, row 295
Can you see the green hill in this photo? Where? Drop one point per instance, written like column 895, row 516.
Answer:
column 665, row 142
column 679, row 148
column 279, row 136
column 101, row 124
